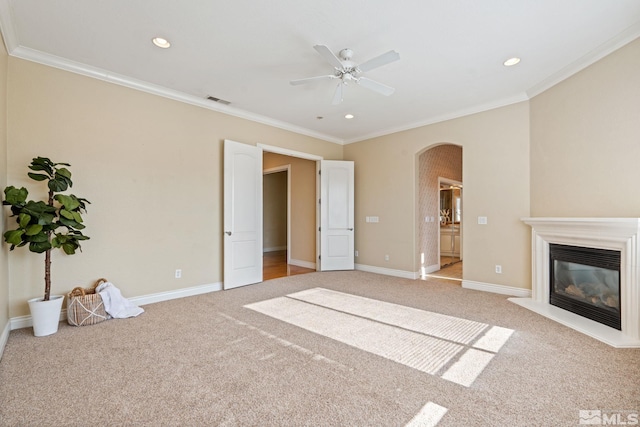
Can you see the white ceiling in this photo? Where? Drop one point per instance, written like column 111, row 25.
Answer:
column 247, row 51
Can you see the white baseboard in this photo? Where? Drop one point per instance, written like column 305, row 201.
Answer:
column 27, row 322
column 431, row 268
column 178, row 293
column 22, row 322
column 388, row 271
column 300, row 263
column 496, row 289
column 274, row 249
column 4, row 337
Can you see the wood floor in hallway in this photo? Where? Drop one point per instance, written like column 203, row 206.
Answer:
column 274, row 265
column 451, row 271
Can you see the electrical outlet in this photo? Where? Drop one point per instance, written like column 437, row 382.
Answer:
column 386, row 257
column 178, row 274
column 356, row 253
column 498, row 269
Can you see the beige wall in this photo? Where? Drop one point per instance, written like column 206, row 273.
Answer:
column 496, row 185
column 4, row 264
column 585, row 141
column 303, row 204
column 151, row 167
column 274, row 211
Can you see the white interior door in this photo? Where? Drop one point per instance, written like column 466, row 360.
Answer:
column 336, row 215
column 242, row 214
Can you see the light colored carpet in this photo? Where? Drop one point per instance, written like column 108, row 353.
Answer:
column 419, row 339
column 215, row 360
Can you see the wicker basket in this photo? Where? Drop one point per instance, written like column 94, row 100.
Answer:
column 85, row 306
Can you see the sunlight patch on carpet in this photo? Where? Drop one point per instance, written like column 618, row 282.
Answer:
column 429, row 342
column 284, row 343
column 418, row 351
column 429, row 416
column 468, row 367
column 434, row 324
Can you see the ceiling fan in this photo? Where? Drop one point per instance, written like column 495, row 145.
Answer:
column 348, row 71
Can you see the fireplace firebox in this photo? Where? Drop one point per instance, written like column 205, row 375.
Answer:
column 586, row 281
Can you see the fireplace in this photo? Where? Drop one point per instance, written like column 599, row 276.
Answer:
column 565, row 249
column 586, row 281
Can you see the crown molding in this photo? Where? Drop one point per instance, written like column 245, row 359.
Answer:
column 6, row 26
column 444, row 117
column 122, row 80
column 625, row 37
column 14, row 49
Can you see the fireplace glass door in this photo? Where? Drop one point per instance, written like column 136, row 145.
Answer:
column 586, row 281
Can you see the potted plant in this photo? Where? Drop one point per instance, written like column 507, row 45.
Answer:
column 43, row 226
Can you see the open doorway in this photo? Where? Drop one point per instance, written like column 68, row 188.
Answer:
column 438, row 164
column 243, row 213
column 275, row 209
column 289, row 215
column 450, row 222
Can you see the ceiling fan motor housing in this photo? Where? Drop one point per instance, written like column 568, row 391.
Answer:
column 345, row 54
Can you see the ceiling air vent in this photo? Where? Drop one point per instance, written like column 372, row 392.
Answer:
column 218, row 100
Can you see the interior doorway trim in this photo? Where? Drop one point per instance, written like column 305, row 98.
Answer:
column 287, row 169
column 287, row 152
column 307, row 156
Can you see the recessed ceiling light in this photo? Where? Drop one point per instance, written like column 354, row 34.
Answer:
column 511, row 61
column 160, row 42
column 349, row 116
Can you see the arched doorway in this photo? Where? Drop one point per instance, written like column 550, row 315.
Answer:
column 438, row 164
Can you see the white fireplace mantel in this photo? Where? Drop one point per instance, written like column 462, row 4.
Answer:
column 620, row 234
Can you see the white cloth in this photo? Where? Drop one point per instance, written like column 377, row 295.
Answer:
column 115, row 304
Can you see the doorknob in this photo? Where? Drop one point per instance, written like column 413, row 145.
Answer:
column 228, row 233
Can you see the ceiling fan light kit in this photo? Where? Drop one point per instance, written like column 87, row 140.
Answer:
column 348, row 71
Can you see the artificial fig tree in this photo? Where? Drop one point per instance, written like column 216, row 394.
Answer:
column 42, row 225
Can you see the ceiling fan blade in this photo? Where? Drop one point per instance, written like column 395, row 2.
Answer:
column 311, row 79
column 337, row 96
column 376, row 86
column 328, row 55
column 379, row 61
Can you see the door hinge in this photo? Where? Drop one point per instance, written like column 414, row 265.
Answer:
column 319, row 256
column 319, row 172
column 319, row 201
column 319, row 228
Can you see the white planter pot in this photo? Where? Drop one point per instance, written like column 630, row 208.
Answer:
column 46, row 315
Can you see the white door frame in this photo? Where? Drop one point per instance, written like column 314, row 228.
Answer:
column 287, row 169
